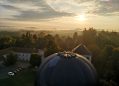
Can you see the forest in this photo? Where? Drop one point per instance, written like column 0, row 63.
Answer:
column 104, row 46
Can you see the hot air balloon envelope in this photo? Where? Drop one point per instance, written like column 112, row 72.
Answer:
column 66, row 69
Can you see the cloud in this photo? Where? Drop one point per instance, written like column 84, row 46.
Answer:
column 99, row 7
column 23, row 1
column 44, row 11
column 83, row 1
column 9, row 7
column 40, row 10
column 105, row 8
column 1, row 1
column 35, row 15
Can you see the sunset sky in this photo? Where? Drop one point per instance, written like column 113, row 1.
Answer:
column 60, row 14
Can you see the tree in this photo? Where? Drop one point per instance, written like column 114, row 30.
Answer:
column 41, row 43
column 64, row 46
column 27, row 42
column 76, row 40
column 51, row 48
column 59, row 41
column 106, row 53
column 75, row 36
column 1, row 35
column 42, row 34
column 105, row 83
column 89, row 36
column 35, row 59
column 95, row 50
column 107, row 38
column 6, row 42
column 11, row 58
column 103, row 58
column 69, row 41
column 27, row 34
column 56, row 37
column 34, row 36
column 112, row 71
column 48, row 37
column 63, row 38
column 23, row 36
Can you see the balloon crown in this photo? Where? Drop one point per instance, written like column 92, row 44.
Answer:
column 67, row 54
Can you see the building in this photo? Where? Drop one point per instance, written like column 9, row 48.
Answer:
column 82, row 50
column 23, row 53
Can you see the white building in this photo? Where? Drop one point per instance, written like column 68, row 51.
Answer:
column 23, row 53
column 82, row 50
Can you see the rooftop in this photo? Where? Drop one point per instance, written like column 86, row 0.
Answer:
column 18, row 49
column 82, row 50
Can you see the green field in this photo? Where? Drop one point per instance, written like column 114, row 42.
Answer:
column 23, row 78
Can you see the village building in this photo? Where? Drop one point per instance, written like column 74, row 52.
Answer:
column 82, row 50
column 23, row 53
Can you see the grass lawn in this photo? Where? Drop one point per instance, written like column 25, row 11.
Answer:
column 23, row 78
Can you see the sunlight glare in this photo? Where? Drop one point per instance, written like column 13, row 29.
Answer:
column 82, row 17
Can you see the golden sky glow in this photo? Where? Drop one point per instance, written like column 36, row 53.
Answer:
column 60, row 14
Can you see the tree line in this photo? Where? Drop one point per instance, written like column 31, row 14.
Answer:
column 104, row 46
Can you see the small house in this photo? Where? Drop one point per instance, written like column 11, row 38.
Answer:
column 82, row 50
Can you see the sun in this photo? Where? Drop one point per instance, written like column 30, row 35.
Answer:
column 81, row 17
